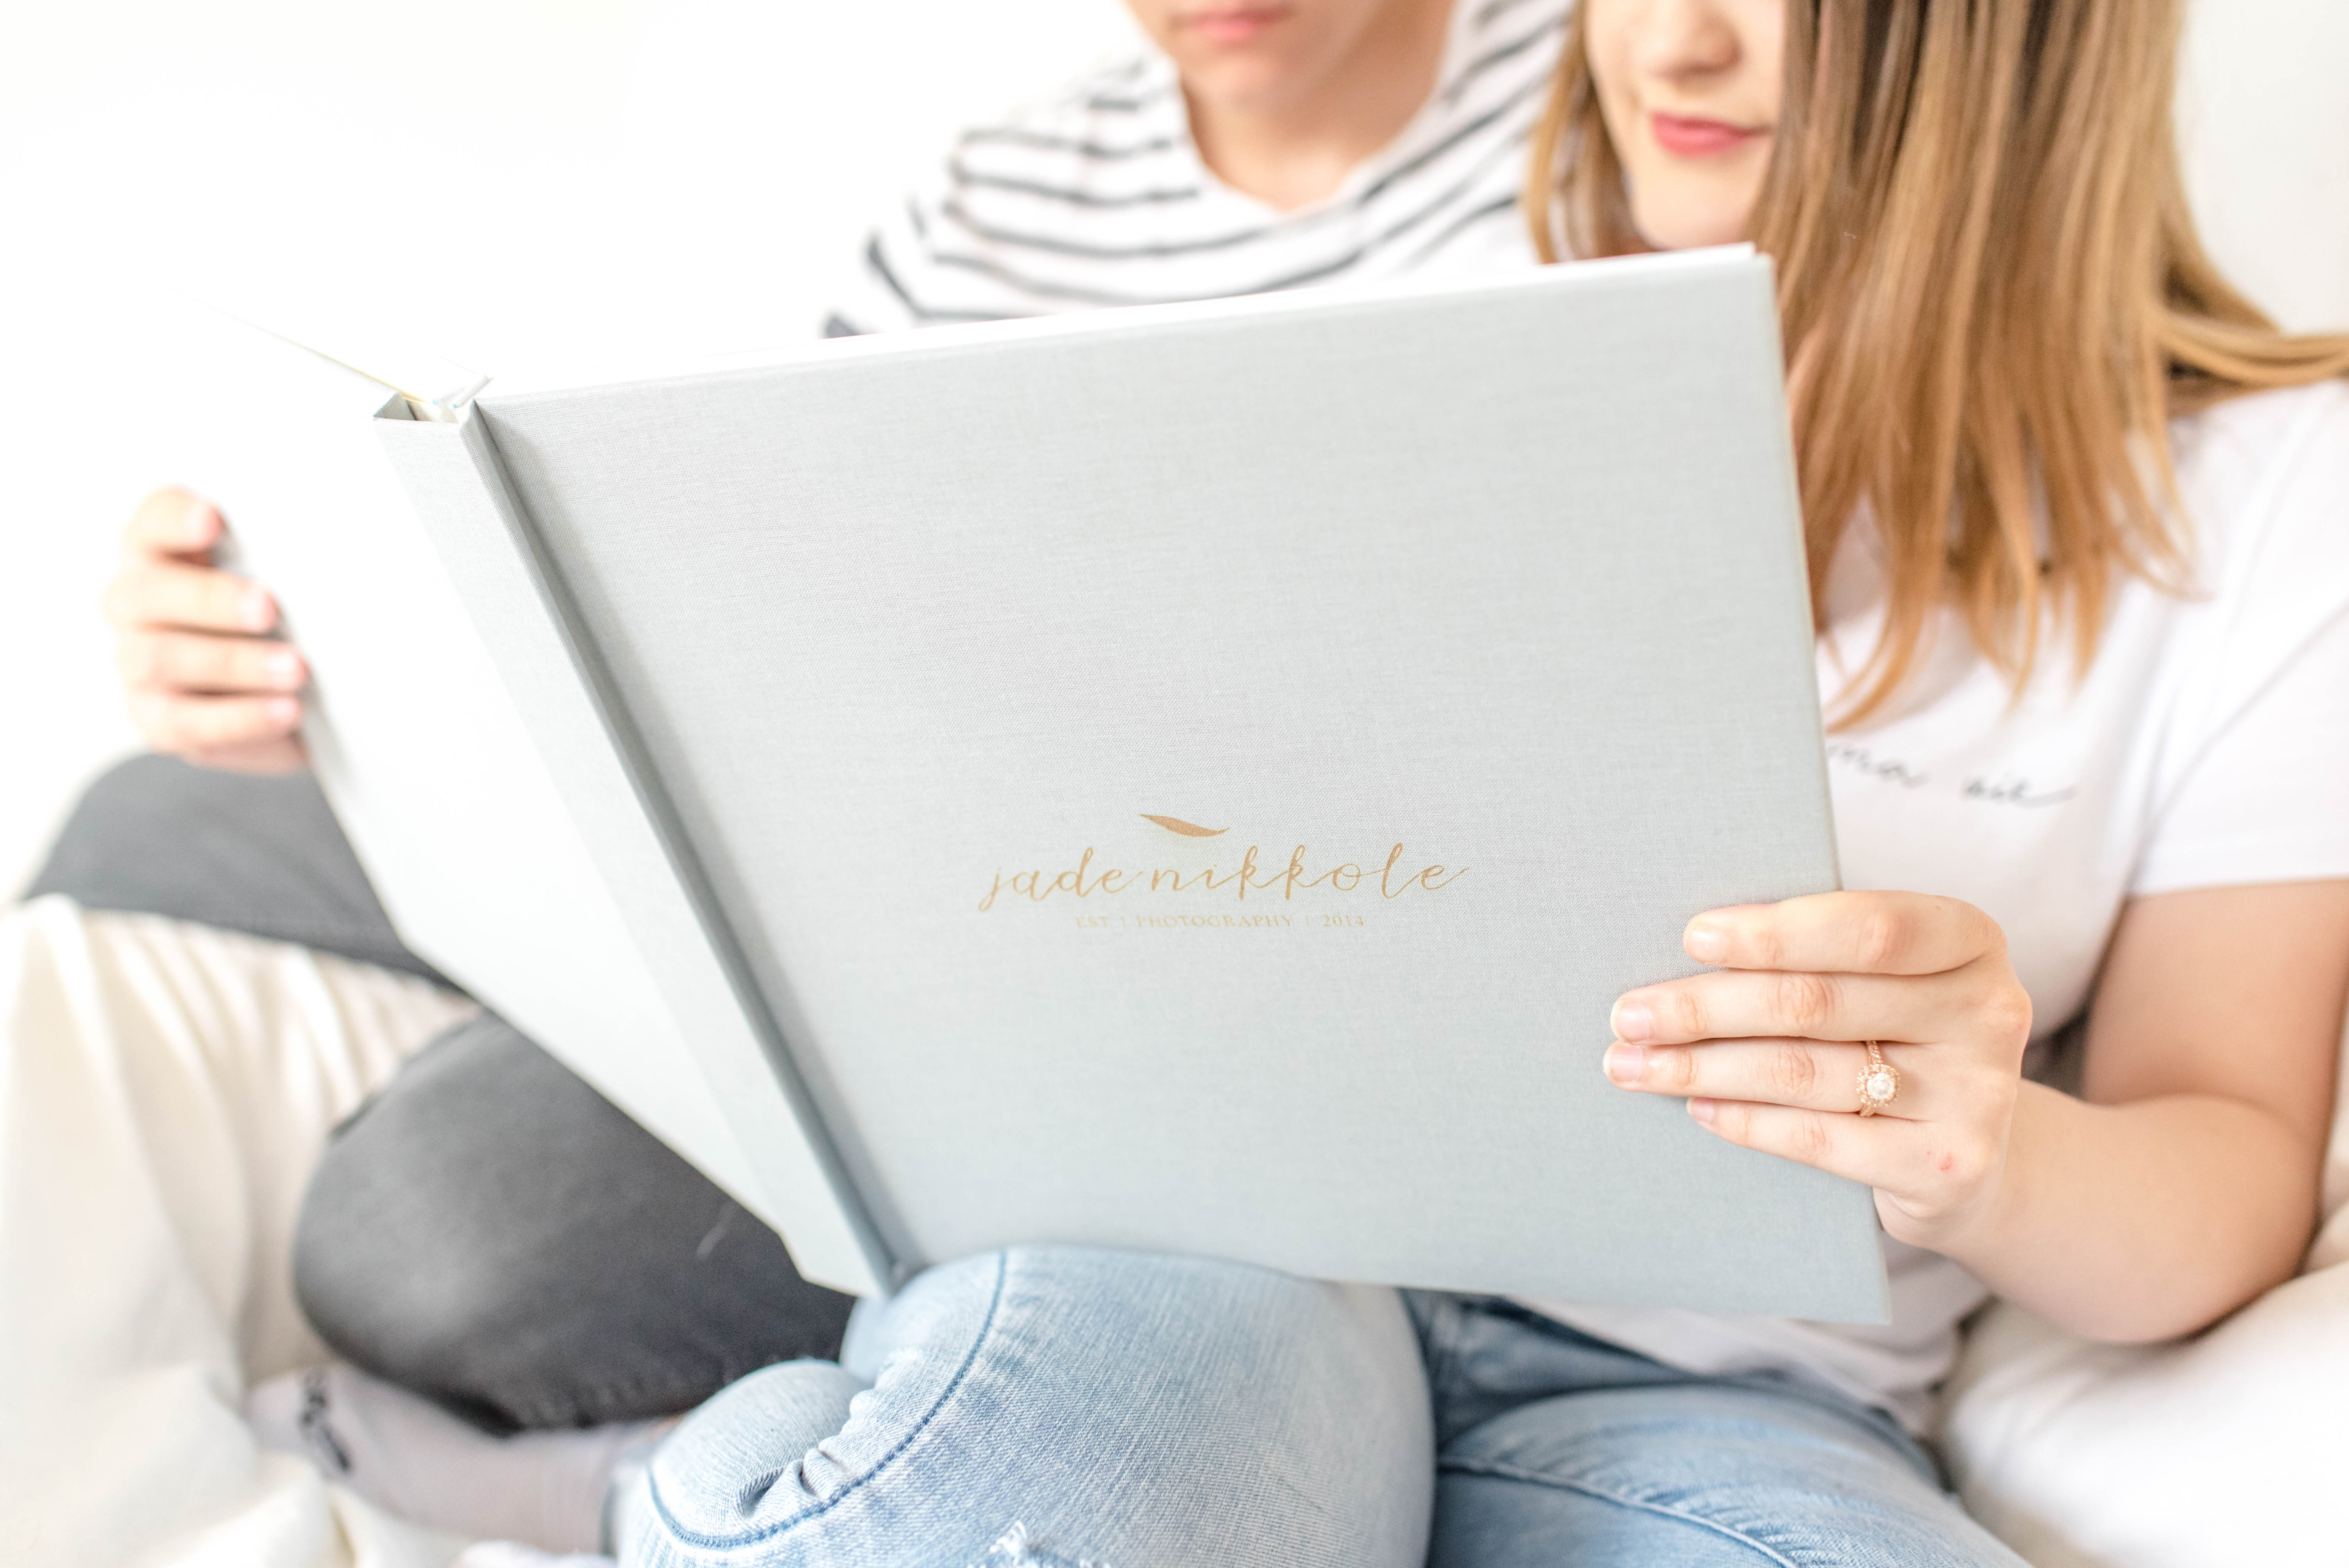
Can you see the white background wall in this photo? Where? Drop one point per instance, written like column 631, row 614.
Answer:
column 504, row 181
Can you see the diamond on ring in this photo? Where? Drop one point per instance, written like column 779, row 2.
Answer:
column 1880, row 1084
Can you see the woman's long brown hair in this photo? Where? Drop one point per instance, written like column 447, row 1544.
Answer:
column 1993, row 298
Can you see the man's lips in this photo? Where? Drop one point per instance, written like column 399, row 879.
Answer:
column 1231, row 23
column 1685, row 136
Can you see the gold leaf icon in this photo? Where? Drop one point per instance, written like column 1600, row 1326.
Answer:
column 1188, row 829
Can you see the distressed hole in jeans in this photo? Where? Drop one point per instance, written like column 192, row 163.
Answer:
column 1015, row 1548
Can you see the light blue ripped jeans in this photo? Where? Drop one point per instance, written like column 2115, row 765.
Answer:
column 1058, row 1406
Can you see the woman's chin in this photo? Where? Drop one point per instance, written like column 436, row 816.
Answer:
column 1679, row 232
column 1691, row 220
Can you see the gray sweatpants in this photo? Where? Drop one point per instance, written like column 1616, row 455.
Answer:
column 487, row 1231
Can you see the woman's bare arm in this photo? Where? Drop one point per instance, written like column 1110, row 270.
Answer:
column 2183, row 1185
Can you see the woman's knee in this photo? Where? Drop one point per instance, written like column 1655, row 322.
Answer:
column 1112, row 1406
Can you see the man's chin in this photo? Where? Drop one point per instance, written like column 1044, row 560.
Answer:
column 1252, row 81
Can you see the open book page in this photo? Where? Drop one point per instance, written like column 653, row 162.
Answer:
column 415, row 734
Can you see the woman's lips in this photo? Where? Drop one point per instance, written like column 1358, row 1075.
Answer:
column 1232, row 23
column 1686, row 136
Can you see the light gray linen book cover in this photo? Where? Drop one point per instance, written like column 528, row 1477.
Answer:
column 1196, row 779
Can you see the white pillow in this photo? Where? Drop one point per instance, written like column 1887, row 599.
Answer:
column 2228, row 1450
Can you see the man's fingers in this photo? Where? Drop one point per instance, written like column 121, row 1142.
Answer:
column 284, row 754
column 172, row 522
column 186, row 726
column 1854, row 933
column 199, row 598
column 193, row 662
column 205, row 684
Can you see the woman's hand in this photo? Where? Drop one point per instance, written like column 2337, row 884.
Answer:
column 206, row 681
column 1769, row 1049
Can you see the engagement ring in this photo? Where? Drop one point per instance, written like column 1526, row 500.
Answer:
column 1879, row 1084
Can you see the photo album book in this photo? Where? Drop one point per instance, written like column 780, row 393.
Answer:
column 1190, row 778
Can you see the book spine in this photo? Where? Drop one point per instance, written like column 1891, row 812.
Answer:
column 515, row 600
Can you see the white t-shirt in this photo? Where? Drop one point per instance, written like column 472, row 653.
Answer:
column 2207, row 746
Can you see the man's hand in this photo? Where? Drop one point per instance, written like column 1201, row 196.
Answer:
column 206, row 680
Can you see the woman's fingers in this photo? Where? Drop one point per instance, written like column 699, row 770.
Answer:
column 1852, row 933
column 196, row 663
column 1766, row 1046
column 1732, row 1003
column 1919, row 1164
column 1875, row 1150
column 1807, row 1075
column 162, row 592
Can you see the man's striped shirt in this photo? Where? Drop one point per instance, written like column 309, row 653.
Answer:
column 1096, row 196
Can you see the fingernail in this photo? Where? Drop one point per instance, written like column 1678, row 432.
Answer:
column 255, row 610
column 1626, row 1064
column 1707, row 944
column 196, row 522
column 1702, row 1110
column 284, row 710
column 284, row 667
column 1632, row 1021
